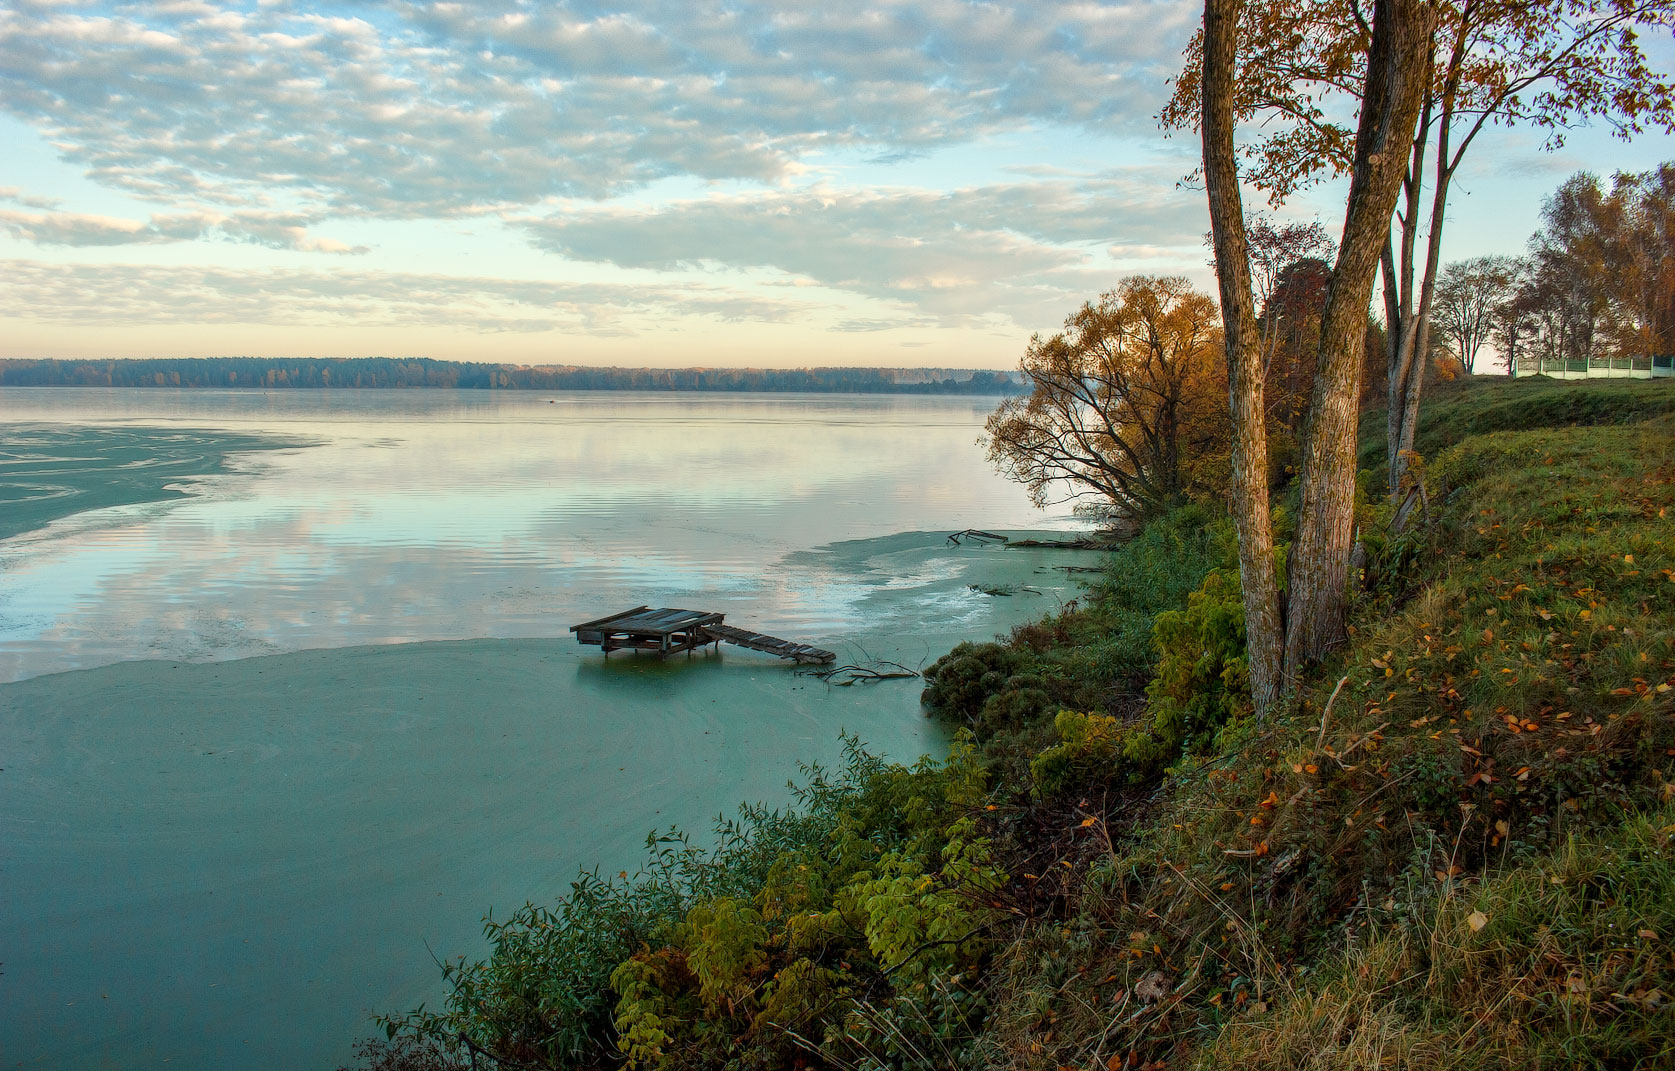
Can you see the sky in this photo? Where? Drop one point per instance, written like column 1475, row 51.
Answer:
column 670, row 183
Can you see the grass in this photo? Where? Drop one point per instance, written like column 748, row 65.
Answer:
column 1563, row 962
column 1507, row 698
column 1460, row 410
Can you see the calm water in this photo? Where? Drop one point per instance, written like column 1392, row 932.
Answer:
column 242, row 796
column 417, row 515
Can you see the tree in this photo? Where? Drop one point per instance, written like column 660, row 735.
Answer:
column 1123, row 405
column 1468, row 295
column 1547, row 63
column 1393, row 85
column 1290, row 322
column 1600, row 277
column 1510, row 323
column 1640, row 245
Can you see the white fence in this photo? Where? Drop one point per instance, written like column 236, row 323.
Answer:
column 1660, row 367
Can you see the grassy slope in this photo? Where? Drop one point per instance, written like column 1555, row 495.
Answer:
column 1305, row 896
column 1465, row 862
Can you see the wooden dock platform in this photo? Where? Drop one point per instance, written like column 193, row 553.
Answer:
column 669, row 631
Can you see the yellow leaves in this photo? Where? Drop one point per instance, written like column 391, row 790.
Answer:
column 1086, row 822
column 1650, row 935
column 1271, row 802
column 1545, row 615
column 1584, row 614
column 1227, row 886
column 1477, row 920
column 1629, row 558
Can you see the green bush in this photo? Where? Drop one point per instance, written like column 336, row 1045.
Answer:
column 1203, row 675
column 1086, row 752
column 961, row 681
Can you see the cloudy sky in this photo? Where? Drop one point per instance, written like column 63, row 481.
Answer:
column 674, row 182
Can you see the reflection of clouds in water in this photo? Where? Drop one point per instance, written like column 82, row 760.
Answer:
column 414, row 526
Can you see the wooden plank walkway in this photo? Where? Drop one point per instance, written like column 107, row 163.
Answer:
column 801, row 653
column 669, row 631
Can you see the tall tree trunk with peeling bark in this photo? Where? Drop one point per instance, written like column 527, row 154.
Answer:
column 1264, row 629
column 1398, row 75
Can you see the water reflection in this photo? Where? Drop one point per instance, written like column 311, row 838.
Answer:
column 441, row 515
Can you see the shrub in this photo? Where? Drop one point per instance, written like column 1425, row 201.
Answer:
column 1087, row 751
column 961, row 681
column 1203, row 679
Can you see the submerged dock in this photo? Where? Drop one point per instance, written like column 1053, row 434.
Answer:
column 669, row 631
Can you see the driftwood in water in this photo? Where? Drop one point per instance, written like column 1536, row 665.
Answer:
column 844, row 676
column 1085, row 543
column 1002, row 589
column 976, row 535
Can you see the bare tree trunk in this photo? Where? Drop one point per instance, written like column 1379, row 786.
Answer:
column 1399, row 313
column 1405, row 412
column 1249, row 493
column 1398, row 75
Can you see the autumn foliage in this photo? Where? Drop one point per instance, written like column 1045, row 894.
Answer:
column 1126, row 407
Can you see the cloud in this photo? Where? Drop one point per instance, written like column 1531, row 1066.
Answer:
column 123, row 294
column 407, row 110
column 277, row 231
column 1021, row 250
column 17, row 196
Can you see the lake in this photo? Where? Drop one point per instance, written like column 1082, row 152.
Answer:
column 290, row 704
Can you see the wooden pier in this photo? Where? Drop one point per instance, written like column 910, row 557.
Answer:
column 669, row 631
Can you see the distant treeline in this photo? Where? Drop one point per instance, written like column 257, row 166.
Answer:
column 276, row 373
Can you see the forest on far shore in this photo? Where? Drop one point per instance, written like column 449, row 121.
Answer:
column 275, row 373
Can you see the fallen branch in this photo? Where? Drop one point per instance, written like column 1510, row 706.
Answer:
column 1085, row 543
column 869, row 674
column 976, row 535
